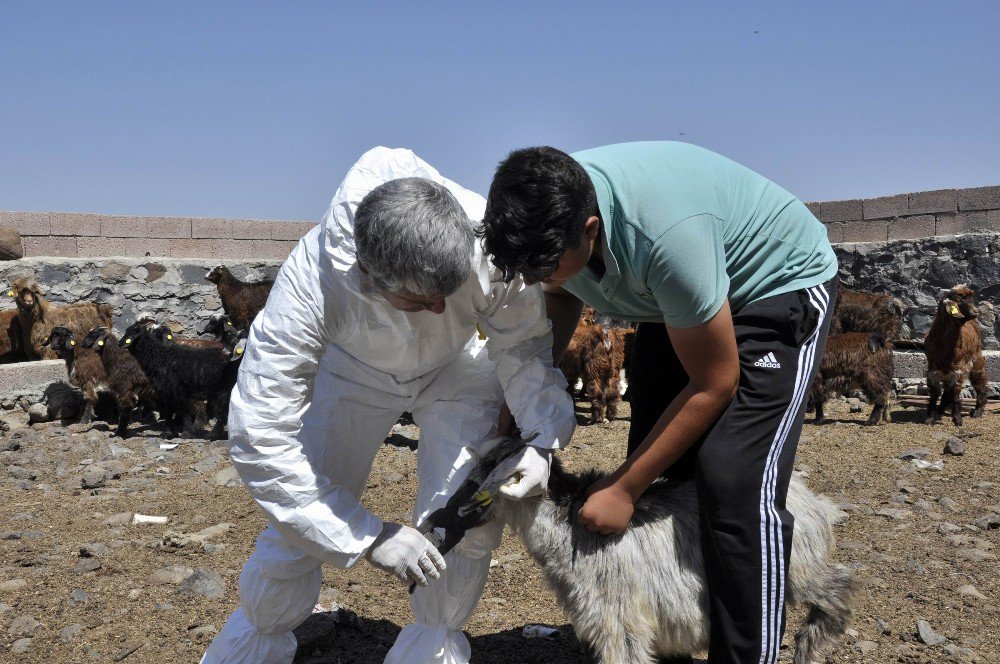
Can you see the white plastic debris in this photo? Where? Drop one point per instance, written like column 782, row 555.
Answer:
column 140, row 519
column 169, row 446
column 539, row 632
column 927, row 465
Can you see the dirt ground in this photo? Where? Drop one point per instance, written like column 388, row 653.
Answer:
column 79, row 582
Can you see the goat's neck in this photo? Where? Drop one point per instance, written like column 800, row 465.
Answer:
column 539, row 525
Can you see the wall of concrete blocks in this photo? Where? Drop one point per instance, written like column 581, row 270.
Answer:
column 920, row 214
column 85, row 235
column 943, row 212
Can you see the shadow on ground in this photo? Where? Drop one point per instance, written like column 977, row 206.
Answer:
column 343, row 638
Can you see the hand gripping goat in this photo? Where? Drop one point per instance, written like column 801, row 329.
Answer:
column 642, row 595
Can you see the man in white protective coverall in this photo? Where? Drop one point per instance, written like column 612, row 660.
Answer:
column 375, row 313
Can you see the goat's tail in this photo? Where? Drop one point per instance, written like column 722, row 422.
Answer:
column 829, row 614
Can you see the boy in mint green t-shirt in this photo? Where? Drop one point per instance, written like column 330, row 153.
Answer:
column 731, row 279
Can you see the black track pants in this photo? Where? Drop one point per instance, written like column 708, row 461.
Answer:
column 743, row 465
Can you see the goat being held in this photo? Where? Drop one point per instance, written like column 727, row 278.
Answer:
column 643, row 594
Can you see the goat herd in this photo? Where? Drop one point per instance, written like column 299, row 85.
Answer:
column 865, row 329
column 150, row 368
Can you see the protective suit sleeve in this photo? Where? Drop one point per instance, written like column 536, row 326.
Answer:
column 519, row 341
column 272, row 393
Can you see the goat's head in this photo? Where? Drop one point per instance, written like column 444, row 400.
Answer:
column 137, row 330
column 61, row 339
column 99, row 336
column 27, row 293
column 960, row 303
column 221, row 327
column 216, row 274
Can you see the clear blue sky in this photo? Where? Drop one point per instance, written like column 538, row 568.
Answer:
column 256, row 109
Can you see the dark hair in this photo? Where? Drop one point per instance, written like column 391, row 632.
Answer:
column 538, row 205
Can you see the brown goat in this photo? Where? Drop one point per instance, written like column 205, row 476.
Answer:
column 954, row 349
column 126, row 379
column 861, row 311
column 855, row 360
column 242, row 301
column 11, row 339
column 37, row 317
column 622, row 347
column 589, row 357
column 83, row 367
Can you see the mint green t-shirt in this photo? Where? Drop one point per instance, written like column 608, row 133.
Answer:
column 684, row 228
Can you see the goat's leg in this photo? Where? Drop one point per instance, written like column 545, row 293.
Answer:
column 90, row 396
column 874, row 396
column 123, row 416
column 598, row 405
column 819, row 398
column 933, row 393
column 979, row 383
column 627, row 649
column 88, row 412
column 954, row 390
column 221, row 408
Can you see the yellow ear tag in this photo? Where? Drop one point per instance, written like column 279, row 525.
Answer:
column 101, row 342
column 170, row 336
column 10, row 293
column 239, row 351
column 229, row 323
column 72, row 342
column 953, row 309
column 482, row 334
column 128, row 341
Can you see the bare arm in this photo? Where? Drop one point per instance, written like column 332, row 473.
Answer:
column 709, row 355
column 563, row 309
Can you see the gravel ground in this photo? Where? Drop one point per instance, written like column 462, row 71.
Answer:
column 80, row 582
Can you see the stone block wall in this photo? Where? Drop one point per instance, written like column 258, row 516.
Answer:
column 916, row 271
column 173, row 290
column 908, row 216
column 85, row 235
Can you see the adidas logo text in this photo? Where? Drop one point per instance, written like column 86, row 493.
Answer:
column 769, row 361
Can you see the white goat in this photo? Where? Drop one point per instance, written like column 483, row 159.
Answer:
column 642, row 595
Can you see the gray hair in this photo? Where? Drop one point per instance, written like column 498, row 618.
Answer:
column 412, row 234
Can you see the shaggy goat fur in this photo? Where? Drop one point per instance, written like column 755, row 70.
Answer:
column 861, row 311
column 219, row 394
column 855, row 361
column 643, row 594
column 125, row 378
column 178, row 373
column 11, row 339
column 83, row 367
column 242, row 301
column 38, row 316
column 954, row 349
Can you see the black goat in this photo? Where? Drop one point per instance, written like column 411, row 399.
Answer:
column 178, row 373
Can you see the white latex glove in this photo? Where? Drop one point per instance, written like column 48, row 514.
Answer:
column 529, row 470
column 406, row 554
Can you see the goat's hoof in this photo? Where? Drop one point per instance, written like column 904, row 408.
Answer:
column 977, row 413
